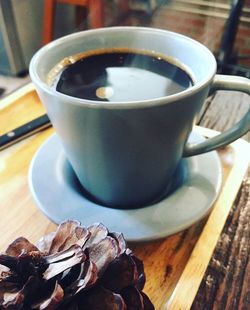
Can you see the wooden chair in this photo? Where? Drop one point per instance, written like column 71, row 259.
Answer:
column 95, row 10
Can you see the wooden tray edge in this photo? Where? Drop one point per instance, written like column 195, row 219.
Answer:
column 15, row 95
column 189, row 282
column 192, row 275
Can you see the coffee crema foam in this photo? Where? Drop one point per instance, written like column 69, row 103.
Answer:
column 119, row 75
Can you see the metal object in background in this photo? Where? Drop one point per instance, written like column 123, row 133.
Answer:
column 21, row 32
column 11, row 56
column 227, row 59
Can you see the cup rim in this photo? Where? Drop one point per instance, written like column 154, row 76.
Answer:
column 126, row 104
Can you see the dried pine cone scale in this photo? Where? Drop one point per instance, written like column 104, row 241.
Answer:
column 59, row 262
column 72, row 268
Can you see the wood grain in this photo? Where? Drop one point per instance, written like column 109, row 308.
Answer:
column 19, row 108
column 227, row 279
column 224, row 109
column 195, row 268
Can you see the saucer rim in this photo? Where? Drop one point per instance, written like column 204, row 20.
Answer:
column 157, row 236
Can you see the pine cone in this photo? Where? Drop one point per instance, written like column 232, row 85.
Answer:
column 72, row 268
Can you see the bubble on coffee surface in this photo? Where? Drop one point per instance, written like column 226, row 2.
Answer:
column 119, row 75
column 104, row 92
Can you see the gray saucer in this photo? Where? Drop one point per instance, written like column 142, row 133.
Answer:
column 59, row 195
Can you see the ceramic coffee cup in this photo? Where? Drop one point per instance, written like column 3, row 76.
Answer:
column 125, row 153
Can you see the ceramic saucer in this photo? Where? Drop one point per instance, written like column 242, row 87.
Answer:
column 58, row 194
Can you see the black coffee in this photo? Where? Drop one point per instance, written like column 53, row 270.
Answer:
column 120, row 76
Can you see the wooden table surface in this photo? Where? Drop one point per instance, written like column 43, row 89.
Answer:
column 227, row 279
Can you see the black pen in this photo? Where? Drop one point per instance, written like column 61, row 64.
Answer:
column 24, row 131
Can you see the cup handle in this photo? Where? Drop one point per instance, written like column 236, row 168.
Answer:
column 224, row 82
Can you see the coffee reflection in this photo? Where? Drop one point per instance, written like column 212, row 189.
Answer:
column 119, row 75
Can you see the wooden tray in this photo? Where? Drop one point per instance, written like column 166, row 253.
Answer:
column 174, row 266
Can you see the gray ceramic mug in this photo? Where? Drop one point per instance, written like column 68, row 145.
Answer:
column 124, row 154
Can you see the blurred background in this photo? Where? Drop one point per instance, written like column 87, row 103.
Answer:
column 25, row 25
